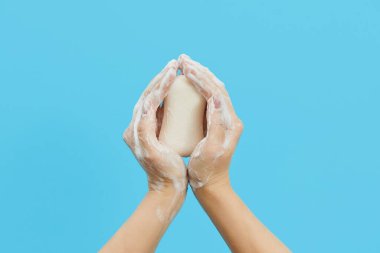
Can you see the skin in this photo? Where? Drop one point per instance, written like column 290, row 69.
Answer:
column 207, row 171
column 166, row 172
column 209, row 166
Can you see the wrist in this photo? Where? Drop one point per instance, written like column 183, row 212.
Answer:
column 169, row 190
column 214, row 194
column 216, row 183
column 168, row 201
column 214, row 191
column 168, row 196
column 168, row 186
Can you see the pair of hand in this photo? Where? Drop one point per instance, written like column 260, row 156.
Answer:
column 209, row 162
column 207, row 171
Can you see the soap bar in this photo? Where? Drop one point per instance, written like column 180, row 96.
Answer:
column 182, row 122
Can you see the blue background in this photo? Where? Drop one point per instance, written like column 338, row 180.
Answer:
column 304, row 77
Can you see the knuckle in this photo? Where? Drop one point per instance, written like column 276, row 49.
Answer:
column 140, row 130
column 144, row 142
column 127, row 135
column 239, row 126
column 151, row 157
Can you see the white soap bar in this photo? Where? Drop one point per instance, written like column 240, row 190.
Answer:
column 182, row 123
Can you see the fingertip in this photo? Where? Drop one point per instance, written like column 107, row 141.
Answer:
column 172, row 64
column 183, row 56
column 172, row 61
column 172, row 72
column 180, row 60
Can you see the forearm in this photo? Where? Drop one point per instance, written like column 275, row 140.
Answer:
column 144, row 229
column 242, row 231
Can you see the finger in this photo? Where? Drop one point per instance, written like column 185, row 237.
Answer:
column 197, row 77
column 217, row 131
column 147, row 124
column 155, row 81
column 220, row 114
column 219, row 119
column 158, row 93
column 171, row 64
column 186, row 60
column 204, row 80
column 139, row 125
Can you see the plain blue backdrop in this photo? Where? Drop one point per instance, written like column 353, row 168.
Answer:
column 304, row 77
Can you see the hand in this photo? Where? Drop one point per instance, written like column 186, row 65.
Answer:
column 165, row 169
column 210, row 160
